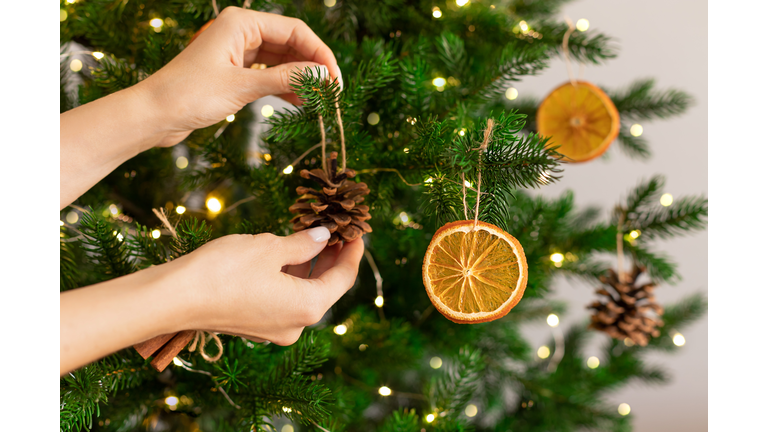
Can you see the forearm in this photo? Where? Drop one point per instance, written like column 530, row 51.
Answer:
column 100, row 319
column 99, row 136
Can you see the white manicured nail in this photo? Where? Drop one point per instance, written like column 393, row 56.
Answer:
column 323, row 72
column 319, row 234
column 341, row 81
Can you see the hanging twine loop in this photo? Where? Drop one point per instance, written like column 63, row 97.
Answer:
column 566, row 53
column 199, row 334
column 481, row 149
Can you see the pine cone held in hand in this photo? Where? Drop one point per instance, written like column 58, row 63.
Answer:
column 337, row 207
column 623, row 315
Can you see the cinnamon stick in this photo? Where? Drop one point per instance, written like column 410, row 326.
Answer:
column 166, row 354
column 150, row 347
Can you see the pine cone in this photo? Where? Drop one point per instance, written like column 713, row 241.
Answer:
column 337, row 207
column 623, row 314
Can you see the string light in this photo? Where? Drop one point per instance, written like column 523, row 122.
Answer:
column 553, row 320
column 267, row 157
column 182, row 162
column 385, row 391
column 172, row 401
column 429, row 180
column 636, row 130
column 543, row 352
column 329, row 3
column 511, row 93
column 62, row 15
column 362, row 347
column 156, row 23
column 156, row 234
column 288, row 169
column 438, row 82
column 177, row 362
column 593, row 362
column 436, row 12
column 678, row 339
column 582, row 24
column 289, row 428
column 287, row 409
column 113, row 209
column 72, row 217
column 267, row 110
column 430, row 418
column 462, row 132
column 666, row 200
column 467, row 183
column 435, row 362
column 119, row 237
column 471, row 410
column 634, row 234
column 340, row 329
column 76, row 65
column 213, row 204
column 523, row 26
column 180, row 209
column 231, row 118
column 61, row 223
column 557, row 257
column 624, row 409
column 379, row 302
column 71, row 1
column 98, row 55
column 461, row 2
column 373, row 118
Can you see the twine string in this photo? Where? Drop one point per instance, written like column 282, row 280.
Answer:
column 341, row 132
column 201, row 337
column 481, row 149
column 620, row 247
column 566, row 53
column 160, row 213
column 464, row 195
column 215, row 8
column 322, row 144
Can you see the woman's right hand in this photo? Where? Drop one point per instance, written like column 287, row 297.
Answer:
column 260, row 287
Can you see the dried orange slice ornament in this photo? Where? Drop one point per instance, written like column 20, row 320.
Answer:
column 580, row 118
column 474, row 274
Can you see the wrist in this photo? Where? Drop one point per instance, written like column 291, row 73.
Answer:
column 150, row 99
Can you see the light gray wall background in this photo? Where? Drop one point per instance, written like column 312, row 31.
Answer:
column 666, row 40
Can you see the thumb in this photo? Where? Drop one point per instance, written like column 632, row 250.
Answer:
column 302, row 246
column 277, row 80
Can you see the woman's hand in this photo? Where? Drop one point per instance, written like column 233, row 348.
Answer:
column 260, row 287
column 212, row 79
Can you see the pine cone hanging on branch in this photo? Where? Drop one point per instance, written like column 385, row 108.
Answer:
column 623, row 314
column 336, row 207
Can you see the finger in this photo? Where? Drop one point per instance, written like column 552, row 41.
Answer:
column 269, row 58
column 250, row 338
column 302, row 246
column 339, row 279
column 299, row 271
column 326, row 260
column 275, row 80
column 262, row 28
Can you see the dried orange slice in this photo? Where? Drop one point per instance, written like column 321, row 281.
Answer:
column 474, row 275
column 581, row 119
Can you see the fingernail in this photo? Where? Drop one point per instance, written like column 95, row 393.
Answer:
column 323, row 71
column 341, row 81
column 319, row 234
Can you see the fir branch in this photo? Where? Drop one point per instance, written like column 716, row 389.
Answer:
column 369, row 78
column 190, row 236
column 109, row 251
column 451, row 51
column 583, row 47
column 684, row 215
column 115, row 74
column 641, row 102
column 658, row 265
column 296, row 398
column 453, row 390
column 532, row 9
column 318, row 94
column 290, row 124
column 414, row 83
column 443, row 200
column 67, row 267
column 146, row 248
column 643, row 194
column 515, row 62
column 634, row 147
column 307, row 354
column 401, row 421
column 676, row 317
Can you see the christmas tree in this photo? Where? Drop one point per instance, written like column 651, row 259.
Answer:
column 422, row 81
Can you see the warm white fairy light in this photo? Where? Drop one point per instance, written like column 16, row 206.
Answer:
column 385, row 391
column 678, row 339
column 156, row 23
column 156, row 234
column 177, row 362
column 119, row 237
column 430, row 418
column 267, row 110
column 635, row 130
column 76, row 65
column 582, row 24
column 543, row 352
column 553, row 320
column 373, row 119
column 182, row 162
column 593, row 362
column 98, row 55
column 523, row 26
column 467, row 183
column 180, row 209
column 267, row 157
column 461, row 2
column 379, row 302
column 404, row 217
column 329, row 3
column 61, row 223
column 511, row 93
column 231, row 118
column 429, row 180
column 288, row 169
column 556, row 257
column 436, row 12
column 438, row 82
column 462, row 132
column 72, row 217
column 113, row 209
column 471, row 410
column 287, row 428
column 666, row 200
column 435, row 362
column 340, row 329
column 287, row 410
column 71, row 1
column 213, row 204
column 62, row 15
column 172, row 401
column 624, row 409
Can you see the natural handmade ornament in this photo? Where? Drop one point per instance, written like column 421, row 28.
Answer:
column 623, row 313
column 474, row 271
column 579, row 117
